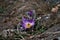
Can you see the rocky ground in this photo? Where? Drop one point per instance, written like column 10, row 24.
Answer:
column 11, row 12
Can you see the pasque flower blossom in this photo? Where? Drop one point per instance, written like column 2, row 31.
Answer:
column 27, row 23
column 31, row 12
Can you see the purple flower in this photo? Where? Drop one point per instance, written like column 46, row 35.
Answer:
column 27, row 23
column 30, row 12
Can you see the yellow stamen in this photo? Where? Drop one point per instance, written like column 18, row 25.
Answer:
column 28, row 25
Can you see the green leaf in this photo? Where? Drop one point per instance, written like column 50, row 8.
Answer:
column 1, row 10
